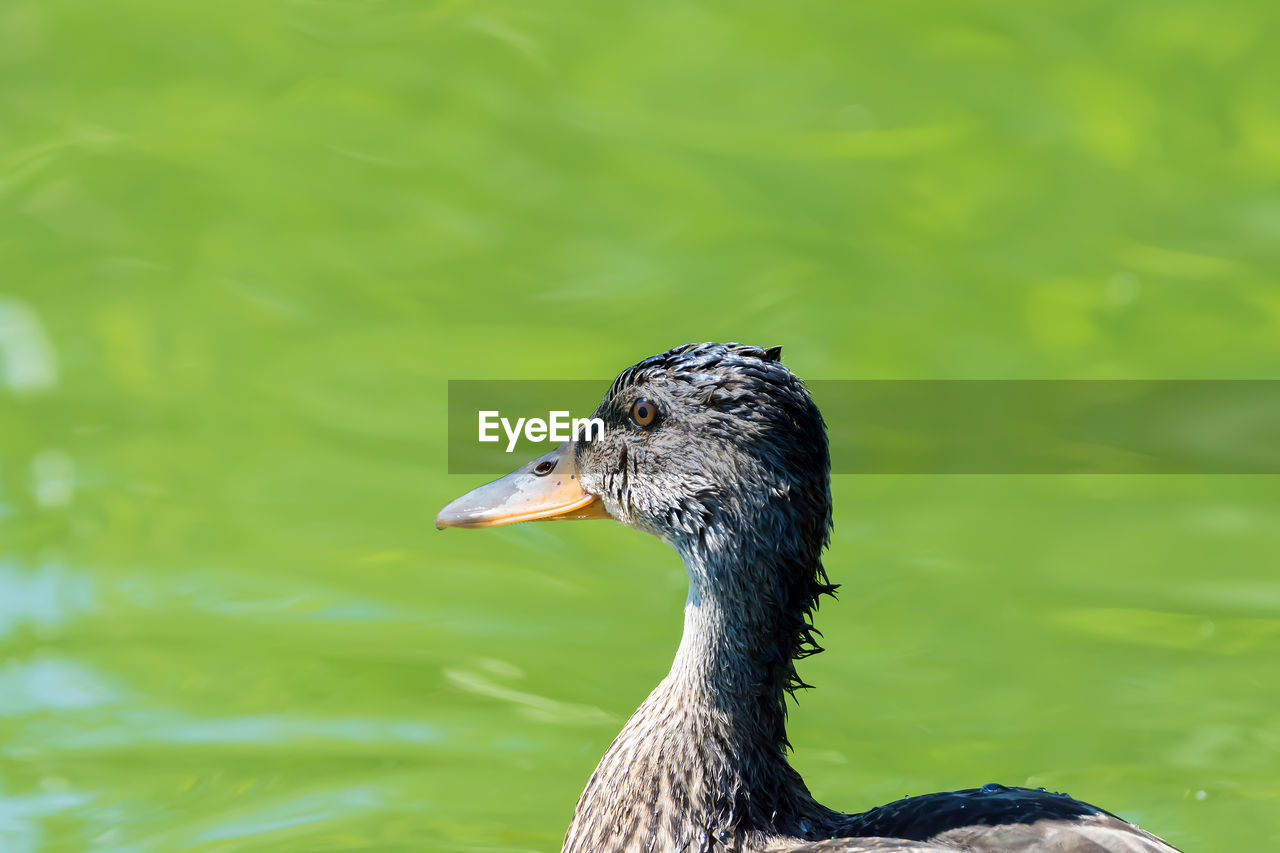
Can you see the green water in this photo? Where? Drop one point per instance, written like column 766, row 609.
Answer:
column 243, row 246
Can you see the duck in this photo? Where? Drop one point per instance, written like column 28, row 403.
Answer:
column 719, row 450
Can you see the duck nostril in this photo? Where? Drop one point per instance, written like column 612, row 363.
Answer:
column 543, row 468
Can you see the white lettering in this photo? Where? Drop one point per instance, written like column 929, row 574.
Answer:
column 559, row 427
column 585, row 426
column 512, row 434
column 487, row 424
column 559, row 423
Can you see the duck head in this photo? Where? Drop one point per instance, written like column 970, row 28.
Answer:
column 718, row 450
column 711, row 447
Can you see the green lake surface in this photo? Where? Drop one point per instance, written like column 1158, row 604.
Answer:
column 244, row 245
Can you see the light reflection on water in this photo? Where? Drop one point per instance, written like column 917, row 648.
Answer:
column 53, row 478
column 483, row 681
column 51, row 685
column 28, row 362
column 21, row 816
column 318, row 807
column 42, row 599
column 282, row 731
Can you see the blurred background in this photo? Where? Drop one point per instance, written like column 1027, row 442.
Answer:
column 244, row 245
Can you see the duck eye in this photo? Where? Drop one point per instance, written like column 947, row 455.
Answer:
column 643, row 412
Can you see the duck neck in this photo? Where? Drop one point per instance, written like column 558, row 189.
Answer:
column 704, row 756
column 734, row 655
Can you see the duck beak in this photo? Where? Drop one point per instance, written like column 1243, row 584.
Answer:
column 544, row 489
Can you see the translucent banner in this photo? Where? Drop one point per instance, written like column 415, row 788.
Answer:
column 938, row 426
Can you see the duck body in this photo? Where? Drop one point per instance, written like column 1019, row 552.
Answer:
column 718, row 450
column 688, row 775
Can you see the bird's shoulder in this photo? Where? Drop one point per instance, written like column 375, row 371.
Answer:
column 990, row 819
